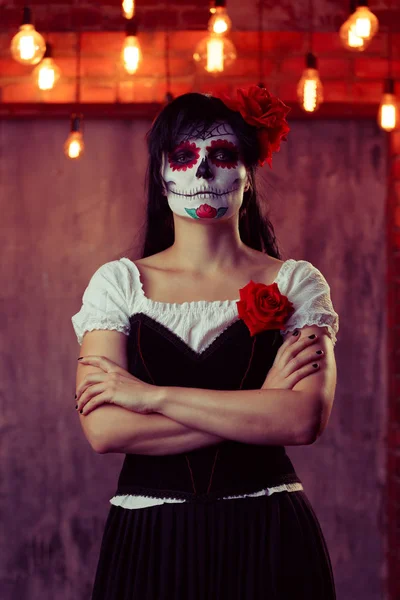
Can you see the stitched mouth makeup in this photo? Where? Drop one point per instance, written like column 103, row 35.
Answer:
column 202, row 194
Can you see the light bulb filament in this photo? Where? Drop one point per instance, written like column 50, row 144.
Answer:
column 215, row 55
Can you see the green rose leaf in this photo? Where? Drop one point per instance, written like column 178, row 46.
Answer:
column 192, row 212
column 221, row 211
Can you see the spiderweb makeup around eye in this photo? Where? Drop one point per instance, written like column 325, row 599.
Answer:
column 203, row 131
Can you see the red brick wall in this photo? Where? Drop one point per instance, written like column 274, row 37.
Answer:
column 348, row 78
column 66, row 15
column 393, row 448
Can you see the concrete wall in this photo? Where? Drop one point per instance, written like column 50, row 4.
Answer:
column 60, row 220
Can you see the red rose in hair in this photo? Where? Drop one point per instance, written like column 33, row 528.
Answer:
column 263, row 307
column 264, row 111
column 205, row 211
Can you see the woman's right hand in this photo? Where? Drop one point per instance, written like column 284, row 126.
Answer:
column 294, row 361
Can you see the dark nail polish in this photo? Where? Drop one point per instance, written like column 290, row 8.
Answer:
column 81, row 410
column 296, row 332
column 76, row 406
column 315, row 365
column 312, row 336
column 80, row 358
column 318, row 352
column 75, row 395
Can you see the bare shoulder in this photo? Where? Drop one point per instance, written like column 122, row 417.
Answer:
column 265, row 268
column 156, row 261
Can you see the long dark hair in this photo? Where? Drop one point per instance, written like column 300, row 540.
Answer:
column 197, row 112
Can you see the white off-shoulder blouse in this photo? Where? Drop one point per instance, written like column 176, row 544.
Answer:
column 115, row 293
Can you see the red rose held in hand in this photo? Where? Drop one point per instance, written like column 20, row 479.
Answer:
column 205, row 211
column 263, row 307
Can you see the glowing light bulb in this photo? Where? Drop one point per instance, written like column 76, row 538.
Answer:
column 74, row 145
column 350, row 40
column 365, row 23
column 128, row 8
column 215, row 53
column 28, row 46
column 131, row 54
column 219, row 22
column 46, row 74
column 388, row 113
column 309, row 88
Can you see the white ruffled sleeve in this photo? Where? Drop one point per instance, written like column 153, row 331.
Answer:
column 106, row 301
column 309, row 292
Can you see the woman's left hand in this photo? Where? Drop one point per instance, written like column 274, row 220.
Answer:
column 114, row 386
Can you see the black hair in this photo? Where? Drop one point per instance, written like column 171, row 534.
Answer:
column 197, row 112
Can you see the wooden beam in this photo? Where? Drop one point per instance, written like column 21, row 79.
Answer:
column 18, row 110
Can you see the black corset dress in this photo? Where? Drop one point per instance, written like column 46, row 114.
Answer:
column 211, row 535
column 234, row 360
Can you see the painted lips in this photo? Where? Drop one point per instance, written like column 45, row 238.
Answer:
column 205, row 211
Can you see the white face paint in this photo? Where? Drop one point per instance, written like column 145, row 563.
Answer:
column 205, row 177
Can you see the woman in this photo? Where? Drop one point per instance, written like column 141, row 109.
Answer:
column 190, row 368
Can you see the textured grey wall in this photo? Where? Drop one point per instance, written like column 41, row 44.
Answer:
column 60, row 220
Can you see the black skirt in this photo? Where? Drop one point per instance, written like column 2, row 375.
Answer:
column 260, row 548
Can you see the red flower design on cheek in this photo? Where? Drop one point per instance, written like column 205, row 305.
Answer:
column 184, row 157
column 224, row 148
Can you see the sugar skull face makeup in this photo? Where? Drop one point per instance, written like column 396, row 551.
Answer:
column 204, row 175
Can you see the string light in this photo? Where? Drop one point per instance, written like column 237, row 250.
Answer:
column 388, row 113
column 131, row 54
column 128, row 8
column 365, row 23
column 309, row 88
column 74, row 144
column 47, row 73
column 347, row 33
column 27, row 46
column 214, row 53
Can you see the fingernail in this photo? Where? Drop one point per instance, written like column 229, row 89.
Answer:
column 296, row 332
column 81, row 410
column 312, row 336
column 76, row 406
column 80, row 357
column 75, row 396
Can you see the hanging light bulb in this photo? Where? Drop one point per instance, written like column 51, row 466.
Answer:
column 128, row 8
column 388, row 113
column 46, row 74
column 215, row 53
column 309, row 88
column 347, row 33
column 27, row 46
column 350, row 40
column 131, row 54
column 220, row 22
column 74, row 145
column 364, row 22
